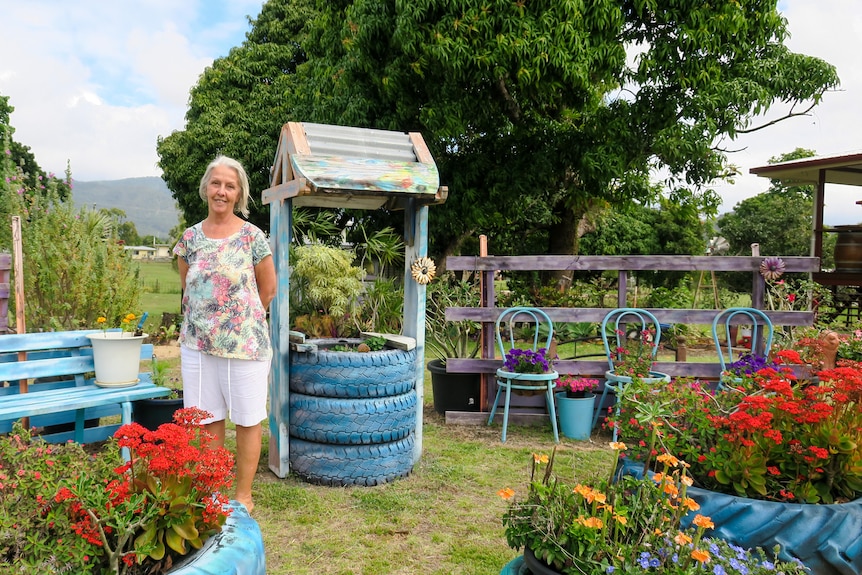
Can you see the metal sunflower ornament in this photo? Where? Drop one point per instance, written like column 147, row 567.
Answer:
column 423, row 270
column 772, row 268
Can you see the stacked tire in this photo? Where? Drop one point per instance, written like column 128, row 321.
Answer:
column 352, row 415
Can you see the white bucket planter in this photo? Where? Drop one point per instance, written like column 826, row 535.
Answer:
column 117, row 357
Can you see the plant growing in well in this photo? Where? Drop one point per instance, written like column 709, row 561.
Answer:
column 325, row 287
column 623, row 525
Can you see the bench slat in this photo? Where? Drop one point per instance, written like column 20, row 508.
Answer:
column 54, row 367
column 80, row 397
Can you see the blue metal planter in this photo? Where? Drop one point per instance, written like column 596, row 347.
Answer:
column 237, row 550
column 826, row 538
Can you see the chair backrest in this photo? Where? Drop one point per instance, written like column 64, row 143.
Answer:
column 506, row 322
column 627, row 323
column 762, row 332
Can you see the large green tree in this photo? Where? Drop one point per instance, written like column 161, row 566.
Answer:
column 779, row 219
column 536, row 112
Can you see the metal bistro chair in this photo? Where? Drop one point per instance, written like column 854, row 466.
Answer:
column 524, row 381
column 762, row 334
column 615, row 334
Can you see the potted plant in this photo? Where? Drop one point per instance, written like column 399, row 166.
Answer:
column 452, row 339
column 66, row 511
column 770, row 446
column 151, row 413
column 622, row 525
column 576, row 403
column 117, row 352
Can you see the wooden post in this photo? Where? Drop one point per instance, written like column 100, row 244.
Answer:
column 20, row 318
column 415, row 300
column 486, row 333
column 280, row 215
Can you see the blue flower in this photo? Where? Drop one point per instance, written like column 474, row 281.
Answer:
column 718, row 570
column 768, row 565
column 610, row 569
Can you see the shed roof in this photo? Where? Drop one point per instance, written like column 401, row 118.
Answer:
column 842, row 169
column 337, row 166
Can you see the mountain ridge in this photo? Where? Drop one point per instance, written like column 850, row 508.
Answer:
column 146, row 201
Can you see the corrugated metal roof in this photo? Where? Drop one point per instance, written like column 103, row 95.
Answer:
column 842, row 169
column 340, row 166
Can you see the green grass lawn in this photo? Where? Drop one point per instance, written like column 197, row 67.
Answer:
column 161, row 293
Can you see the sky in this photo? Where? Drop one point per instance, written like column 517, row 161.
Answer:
column 97, row 82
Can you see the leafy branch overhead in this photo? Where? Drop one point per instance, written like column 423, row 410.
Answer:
column 535, row 111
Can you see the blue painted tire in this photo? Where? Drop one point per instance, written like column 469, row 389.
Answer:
column 352, row 421
column 352, row 374
column 340, row 465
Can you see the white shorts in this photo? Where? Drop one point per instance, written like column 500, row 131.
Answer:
column 227, row 388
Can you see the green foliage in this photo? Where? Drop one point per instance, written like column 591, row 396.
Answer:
column 622, row 525
column 325, row 287
column 780, row 219
column 381, row 307
column 444, row 338
column 520, row 103
column 35, row 533
column 74, row 270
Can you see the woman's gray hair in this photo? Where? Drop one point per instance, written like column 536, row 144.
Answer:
column 241, row 206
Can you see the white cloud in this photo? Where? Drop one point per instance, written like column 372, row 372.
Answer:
column 96, row 83
column 832, row 30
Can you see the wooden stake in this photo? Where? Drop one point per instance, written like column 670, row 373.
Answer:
column 20, row 322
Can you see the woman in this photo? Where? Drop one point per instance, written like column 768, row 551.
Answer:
column 228, row 280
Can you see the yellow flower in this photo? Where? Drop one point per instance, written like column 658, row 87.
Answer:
column 592, row 522
column 101, row 319
column 540, row 458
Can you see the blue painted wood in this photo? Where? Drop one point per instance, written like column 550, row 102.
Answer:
column 281, row 225
column 236, row 550
column 71, row 396
column 415, row 299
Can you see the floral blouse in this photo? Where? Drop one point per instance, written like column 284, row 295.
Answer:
column 223, row 315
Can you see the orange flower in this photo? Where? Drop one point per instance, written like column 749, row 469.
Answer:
column 682, row 539
column 700, row 555
column 540, row 458
column 506, row 493
column 703, row 521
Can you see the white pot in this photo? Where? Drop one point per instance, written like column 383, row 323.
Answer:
column 117, row 357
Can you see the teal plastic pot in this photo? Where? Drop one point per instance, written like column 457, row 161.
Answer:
column 576, row 415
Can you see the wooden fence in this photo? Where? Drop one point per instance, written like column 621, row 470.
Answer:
column 488, row 311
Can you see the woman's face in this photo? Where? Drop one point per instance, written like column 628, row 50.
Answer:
column 222, row 190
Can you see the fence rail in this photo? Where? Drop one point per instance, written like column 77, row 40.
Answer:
column 487, row 313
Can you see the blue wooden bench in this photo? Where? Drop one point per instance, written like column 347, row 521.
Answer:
column 59, row 369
